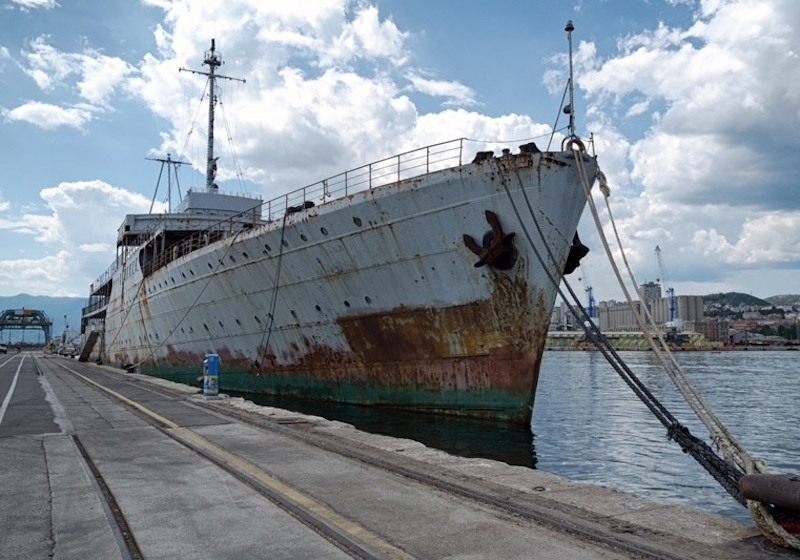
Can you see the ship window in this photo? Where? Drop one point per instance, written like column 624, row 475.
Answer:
column 357, row 221
column 191, row 272
column 285, row 243
column 220, row 324
column 267, row 247
column 211, row 267
column 324, row 231
column 232, row 259
column 257, row 319
column 238, row 322
column 346, row 303
column 303, row 237
column 245, row 255
column 183, row 274
column 318, row 308
column 205, row 326
column 368, row 299
column 294, row 314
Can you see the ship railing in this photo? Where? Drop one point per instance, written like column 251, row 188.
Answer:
column 93, row 306
column 105, row 277
column 192, row 242
column 416, row 163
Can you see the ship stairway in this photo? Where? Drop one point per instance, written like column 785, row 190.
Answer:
column 91, row 340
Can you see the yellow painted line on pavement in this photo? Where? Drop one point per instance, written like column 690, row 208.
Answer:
column 309, row 504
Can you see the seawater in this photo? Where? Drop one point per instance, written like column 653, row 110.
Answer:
column 589, row 426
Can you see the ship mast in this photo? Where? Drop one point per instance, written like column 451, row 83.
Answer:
column 214, row 60
column 570, row 109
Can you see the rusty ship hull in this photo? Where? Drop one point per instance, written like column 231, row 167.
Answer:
column 369, row 297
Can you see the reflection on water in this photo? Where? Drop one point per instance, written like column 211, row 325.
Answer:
column 458, row 436
column 589, row 426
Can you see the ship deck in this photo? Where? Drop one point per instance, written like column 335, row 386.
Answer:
column 190, row 477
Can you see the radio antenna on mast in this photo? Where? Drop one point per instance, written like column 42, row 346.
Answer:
column 214, row 60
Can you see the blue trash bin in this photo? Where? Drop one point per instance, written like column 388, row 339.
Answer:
column 211, row 376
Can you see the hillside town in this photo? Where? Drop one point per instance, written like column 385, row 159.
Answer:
column 718, row 320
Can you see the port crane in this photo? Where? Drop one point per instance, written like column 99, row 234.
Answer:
column 590, row 309
column 668, row 284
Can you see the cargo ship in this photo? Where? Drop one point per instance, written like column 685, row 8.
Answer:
column 424, row 281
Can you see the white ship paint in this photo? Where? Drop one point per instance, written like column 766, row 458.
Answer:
column 360, row 288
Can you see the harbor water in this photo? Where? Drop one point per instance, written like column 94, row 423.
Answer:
column 588, row 425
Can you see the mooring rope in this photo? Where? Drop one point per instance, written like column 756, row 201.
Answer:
column 735, row 454
column 721, row 471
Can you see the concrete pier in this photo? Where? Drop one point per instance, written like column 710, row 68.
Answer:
column 98, row 463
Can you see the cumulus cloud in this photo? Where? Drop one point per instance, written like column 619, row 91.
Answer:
column 327, row 88
column 27, row 5
column 713, row 177
column 93, row 76
column 47, row 116
column 456, row 94
column 39, row 276
column 70, row 239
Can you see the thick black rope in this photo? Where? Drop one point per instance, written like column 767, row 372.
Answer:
column 726, row 474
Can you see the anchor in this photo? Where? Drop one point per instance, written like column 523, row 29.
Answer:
column 576, row 252
column 497, row 249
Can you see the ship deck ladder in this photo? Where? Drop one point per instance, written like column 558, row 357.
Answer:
column 88, row 346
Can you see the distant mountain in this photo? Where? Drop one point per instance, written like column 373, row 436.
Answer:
column 786, row 299
column 734, row 299
column 56, row 308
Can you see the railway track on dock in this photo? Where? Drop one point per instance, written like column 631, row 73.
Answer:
column 153, row 404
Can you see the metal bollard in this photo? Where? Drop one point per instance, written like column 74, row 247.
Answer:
column 211, row 376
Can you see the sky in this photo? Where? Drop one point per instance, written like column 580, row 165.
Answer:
column 693, row 106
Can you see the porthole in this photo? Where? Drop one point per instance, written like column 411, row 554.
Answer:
column 220, row 324
column 285, row 243
column 323, row 231
column 257, row 319
column 318, row 308
column 294, row 314
column 245, row 255
column 346, row 303
column 357, row 221
column 368, row 299
column 205, row 326
column 267, row 247
column 232, row 259
column 303, row 237
column 211, row 267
